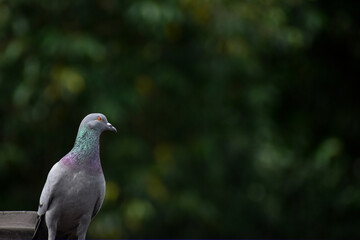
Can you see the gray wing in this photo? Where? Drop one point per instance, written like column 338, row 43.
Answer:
column 48, row 190
column 100, row 200
column 41, row 231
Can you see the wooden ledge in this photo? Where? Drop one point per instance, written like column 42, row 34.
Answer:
column 17, row 224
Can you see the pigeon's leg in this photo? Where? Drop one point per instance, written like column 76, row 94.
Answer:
column 82, row 236
column 82, row 228
column 51, row 224
column 51, row 232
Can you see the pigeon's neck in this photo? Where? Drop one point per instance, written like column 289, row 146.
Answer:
column 87, row 143
column 86, row 150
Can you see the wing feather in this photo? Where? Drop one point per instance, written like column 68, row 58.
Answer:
column 48, row 190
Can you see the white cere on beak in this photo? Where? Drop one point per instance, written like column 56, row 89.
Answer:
column 111, row 127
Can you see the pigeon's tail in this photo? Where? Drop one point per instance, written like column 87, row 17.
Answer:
column 41, row 231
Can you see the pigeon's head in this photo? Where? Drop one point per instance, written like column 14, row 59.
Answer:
column 97, row 122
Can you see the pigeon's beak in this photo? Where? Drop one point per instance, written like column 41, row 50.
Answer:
column 111, row 127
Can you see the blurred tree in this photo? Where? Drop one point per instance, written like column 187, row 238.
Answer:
column 237, row 119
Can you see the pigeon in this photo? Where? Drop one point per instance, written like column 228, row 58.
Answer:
column 75, row 187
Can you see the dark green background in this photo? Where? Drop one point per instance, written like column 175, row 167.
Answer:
column 235, row 118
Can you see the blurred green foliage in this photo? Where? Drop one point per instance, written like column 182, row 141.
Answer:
column 236, row 118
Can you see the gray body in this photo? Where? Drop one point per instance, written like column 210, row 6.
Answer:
column 70, row 189
column 75, row 187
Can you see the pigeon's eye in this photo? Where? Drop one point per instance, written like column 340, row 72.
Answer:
column 100, row 118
